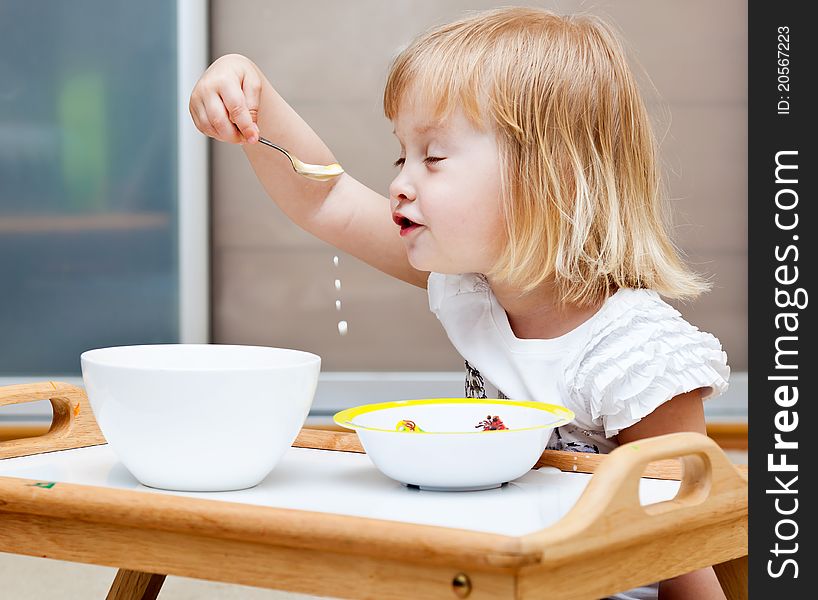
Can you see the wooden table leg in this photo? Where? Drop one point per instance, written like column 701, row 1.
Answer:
column 733, row 578
column 135, row 585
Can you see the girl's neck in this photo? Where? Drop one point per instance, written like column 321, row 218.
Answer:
column 537, row 315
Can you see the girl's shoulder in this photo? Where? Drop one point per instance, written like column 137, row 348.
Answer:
column 632, row 315
column 639, row 353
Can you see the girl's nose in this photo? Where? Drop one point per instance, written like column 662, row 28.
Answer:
column 401, row 190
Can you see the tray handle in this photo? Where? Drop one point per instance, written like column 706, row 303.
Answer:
column 73, row 426
column 711, row 486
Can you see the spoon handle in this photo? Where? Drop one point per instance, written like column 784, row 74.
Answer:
column 267, row 142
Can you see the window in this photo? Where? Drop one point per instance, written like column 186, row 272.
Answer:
column 97, row 241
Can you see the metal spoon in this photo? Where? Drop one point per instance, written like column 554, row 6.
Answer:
column 317, row 172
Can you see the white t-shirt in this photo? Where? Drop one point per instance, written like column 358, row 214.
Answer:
column 633, row 354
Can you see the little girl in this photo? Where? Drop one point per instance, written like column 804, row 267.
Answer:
column 528, row 203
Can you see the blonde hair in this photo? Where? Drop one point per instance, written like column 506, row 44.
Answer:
column 582, row 200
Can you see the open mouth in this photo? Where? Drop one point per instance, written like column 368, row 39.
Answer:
column 406, row 224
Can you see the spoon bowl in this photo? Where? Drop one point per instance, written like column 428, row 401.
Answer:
column 316, row 172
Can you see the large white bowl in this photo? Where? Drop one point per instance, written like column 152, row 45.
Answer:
column 200, row 417
column 451, row 453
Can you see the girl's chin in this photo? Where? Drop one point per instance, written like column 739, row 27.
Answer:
column 422, row 260
column 421, row 266
column 422, row 263
column 434, row 266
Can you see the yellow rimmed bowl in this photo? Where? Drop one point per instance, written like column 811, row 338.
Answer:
column 454, row 444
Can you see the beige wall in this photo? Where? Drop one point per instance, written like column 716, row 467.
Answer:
column 273, row 283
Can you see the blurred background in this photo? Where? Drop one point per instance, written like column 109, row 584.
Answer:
column 121, row 224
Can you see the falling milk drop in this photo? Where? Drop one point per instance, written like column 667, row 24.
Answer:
column 342, row 325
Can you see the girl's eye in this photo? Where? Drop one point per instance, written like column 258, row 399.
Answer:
column 428, row 160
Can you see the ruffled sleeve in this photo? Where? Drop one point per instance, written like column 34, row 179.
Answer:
column 640, row 357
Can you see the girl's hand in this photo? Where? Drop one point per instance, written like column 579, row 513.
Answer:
column 224, row 102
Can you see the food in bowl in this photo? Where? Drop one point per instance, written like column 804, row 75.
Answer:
column 454, row 444
column 200, row 417
column 490, row 423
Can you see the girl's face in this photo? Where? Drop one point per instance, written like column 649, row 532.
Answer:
column 446, row 197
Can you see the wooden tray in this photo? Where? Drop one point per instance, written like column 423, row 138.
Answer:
column 607, row 542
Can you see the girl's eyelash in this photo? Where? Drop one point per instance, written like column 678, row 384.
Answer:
column 428, row 160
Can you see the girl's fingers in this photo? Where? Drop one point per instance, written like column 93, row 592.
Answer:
column 224, row 103
column 251, row 85
column 218, row 118
column 199, row 114
column 238, row 112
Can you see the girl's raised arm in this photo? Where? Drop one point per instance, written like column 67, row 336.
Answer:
column 234, row 102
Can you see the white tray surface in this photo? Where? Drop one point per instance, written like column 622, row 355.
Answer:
column 347, row 483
